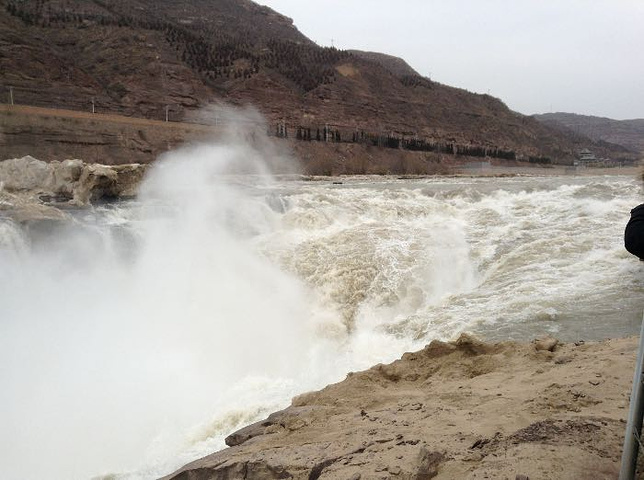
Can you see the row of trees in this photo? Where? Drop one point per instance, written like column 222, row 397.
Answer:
column 540, row 160
column 478, row 151
column 416, row 81
column 328, row 134
column 324, row 134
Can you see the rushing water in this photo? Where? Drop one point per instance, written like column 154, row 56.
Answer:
column 134, row 338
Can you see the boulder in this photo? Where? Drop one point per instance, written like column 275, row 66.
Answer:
column 130, row 177
column 64, row 177
column 70, row 180
column 97, row 182
column 23, row 174
column 27, row 211
column 546, row 343
column 33, row 214
column 102, row 182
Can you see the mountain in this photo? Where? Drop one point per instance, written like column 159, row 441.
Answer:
column 628, row 133
column 152, row 58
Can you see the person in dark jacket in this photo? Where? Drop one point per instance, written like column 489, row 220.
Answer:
column 634, row 233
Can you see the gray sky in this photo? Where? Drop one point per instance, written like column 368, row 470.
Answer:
column 580, row 56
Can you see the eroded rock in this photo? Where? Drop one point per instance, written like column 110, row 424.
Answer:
column 23, row 174
column 64, row 177
column 70, row 181
column 26, row 210
column 97, row 182
column 289, row 419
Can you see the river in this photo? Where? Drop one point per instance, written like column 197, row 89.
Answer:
column 134, row 338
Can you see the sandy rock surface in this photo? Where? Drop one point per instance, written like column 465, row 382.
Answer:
column 461, row 410
column 70, row 180
column 32, row 191
column 26, row 173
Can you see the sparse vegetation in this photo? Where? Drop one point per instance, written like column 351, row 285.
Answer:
column 333, row 135
column 212, row 53
column 137, row 57
column 415, row 81
column 540, row 160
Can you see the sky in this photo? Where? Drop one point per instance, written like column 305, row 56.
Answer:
column 538, row 56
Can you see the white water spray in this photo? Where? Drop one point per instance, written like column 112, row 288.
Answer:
column 114, row 349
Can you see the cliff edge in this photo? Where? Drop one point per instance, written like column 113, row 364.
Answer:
column 464, row 409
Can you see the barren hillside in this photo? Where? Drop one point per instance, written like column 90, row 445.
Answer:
column 147, row 58
column 629, row 133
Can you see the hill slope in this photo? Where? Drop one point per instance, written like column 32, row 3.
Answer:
column 629, row 133
column 394, row 65
column 146, row 57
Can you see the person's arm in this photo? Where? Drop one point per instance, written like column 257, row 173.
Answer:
column 634, row 233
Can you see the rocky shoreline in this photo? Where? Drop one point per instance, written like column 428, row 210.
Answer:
column 33, row 191
column 464, row 409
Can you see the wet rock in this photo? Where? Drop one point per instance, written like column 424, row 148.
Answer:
column 260, row 470
column 31, row 215
column 28, row 212
column 129, row 177
column 288, row 419
column 244, row 434
column 97, row 182
column 103, row 182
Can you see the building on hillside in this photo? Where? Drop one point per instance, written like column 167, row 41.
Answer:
column 585, row 158
column 586, row 155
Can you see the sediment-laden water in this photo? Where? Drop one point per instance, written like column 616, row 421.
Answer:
column 134, row 338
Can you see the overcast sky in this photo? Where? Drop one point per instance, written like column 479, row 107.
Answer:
column 580, row 56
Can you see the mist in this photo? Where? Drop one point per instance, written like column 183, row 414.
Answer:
column 120, row 330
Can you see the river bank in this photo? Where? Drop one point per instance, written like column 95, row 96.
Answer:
column 549, row 171
column 465, row 410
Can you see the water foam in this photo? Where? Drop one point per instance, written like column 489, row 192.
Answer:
column 148, row 331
